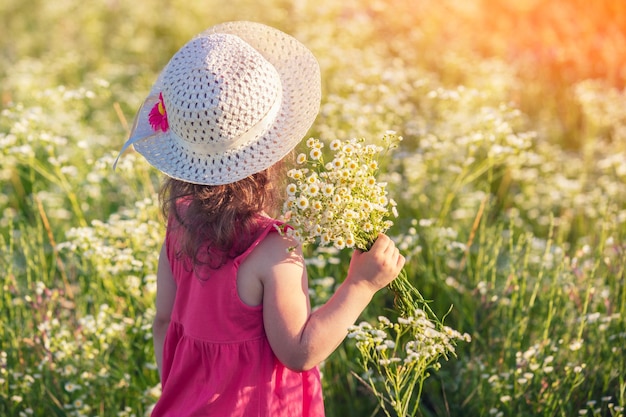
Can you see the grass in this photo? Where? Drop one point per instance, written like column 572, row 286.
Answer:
column 511, row 188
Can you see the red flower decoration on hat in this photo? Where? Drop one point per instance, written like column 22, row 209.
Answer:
column 158, row 116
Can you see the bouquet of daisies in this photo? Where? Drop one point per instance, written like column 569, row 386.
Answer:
column 339, row 202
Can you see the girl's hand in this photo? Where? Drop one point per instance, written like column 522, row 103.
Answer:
column 378, row 266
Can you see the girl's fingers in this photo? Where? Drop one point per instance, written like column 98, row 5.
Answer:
column 401, row 261
column 383, row 243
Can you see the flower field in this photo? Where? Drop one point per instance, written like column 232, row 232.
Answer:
column 509, row 184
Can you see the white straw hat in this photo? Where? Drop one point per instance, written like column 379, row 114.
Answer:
column 231, row 102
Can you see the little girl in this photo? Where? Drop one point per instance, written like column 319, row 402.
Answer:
column 234, row 335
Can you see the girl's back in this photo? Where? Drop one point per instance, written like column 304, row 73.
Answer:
column 217, row 359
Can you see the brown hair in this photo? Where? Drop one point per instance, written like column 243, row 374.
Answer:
column 219, row 221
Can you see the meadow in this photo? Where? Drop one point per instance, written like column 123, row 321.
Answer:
column 510, row 184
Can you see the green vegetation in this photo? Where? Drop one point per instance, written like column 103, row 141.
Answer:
column 510, row 183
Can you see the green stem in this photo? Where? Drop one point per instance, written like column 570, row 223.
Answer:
column 408, row 298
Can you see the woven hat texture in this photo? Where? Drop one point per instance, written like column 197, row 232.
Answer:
column 237, row 98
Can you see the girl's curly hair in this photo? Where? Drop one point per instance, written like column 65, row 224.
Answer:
column 219, row 221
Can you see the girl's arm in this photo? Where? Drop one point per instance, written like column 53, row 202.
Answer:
column 166, row 293
column 301, row 339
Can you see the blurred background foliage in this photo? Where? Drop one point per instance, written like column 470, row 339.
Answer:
column 511, row 184
column 551, row 44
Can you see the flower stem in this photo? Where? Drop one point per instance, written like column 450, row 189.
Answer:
column 407, row 298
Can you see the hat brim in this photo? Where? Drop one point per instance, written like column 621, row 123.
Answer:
column 301, row 85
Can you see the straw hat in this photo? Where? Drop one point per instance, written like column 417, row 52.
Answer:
column 231, row 102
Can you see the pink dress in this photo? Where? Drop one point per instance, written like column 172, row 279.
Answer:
column 217, row 360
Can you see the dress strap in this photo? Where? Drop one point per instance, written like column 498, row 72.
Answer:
column 271, row 226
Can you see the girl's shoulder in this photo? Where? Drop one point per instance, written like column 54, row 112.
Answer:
column 274, row 256
column 277, row 246
column 282, row 242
